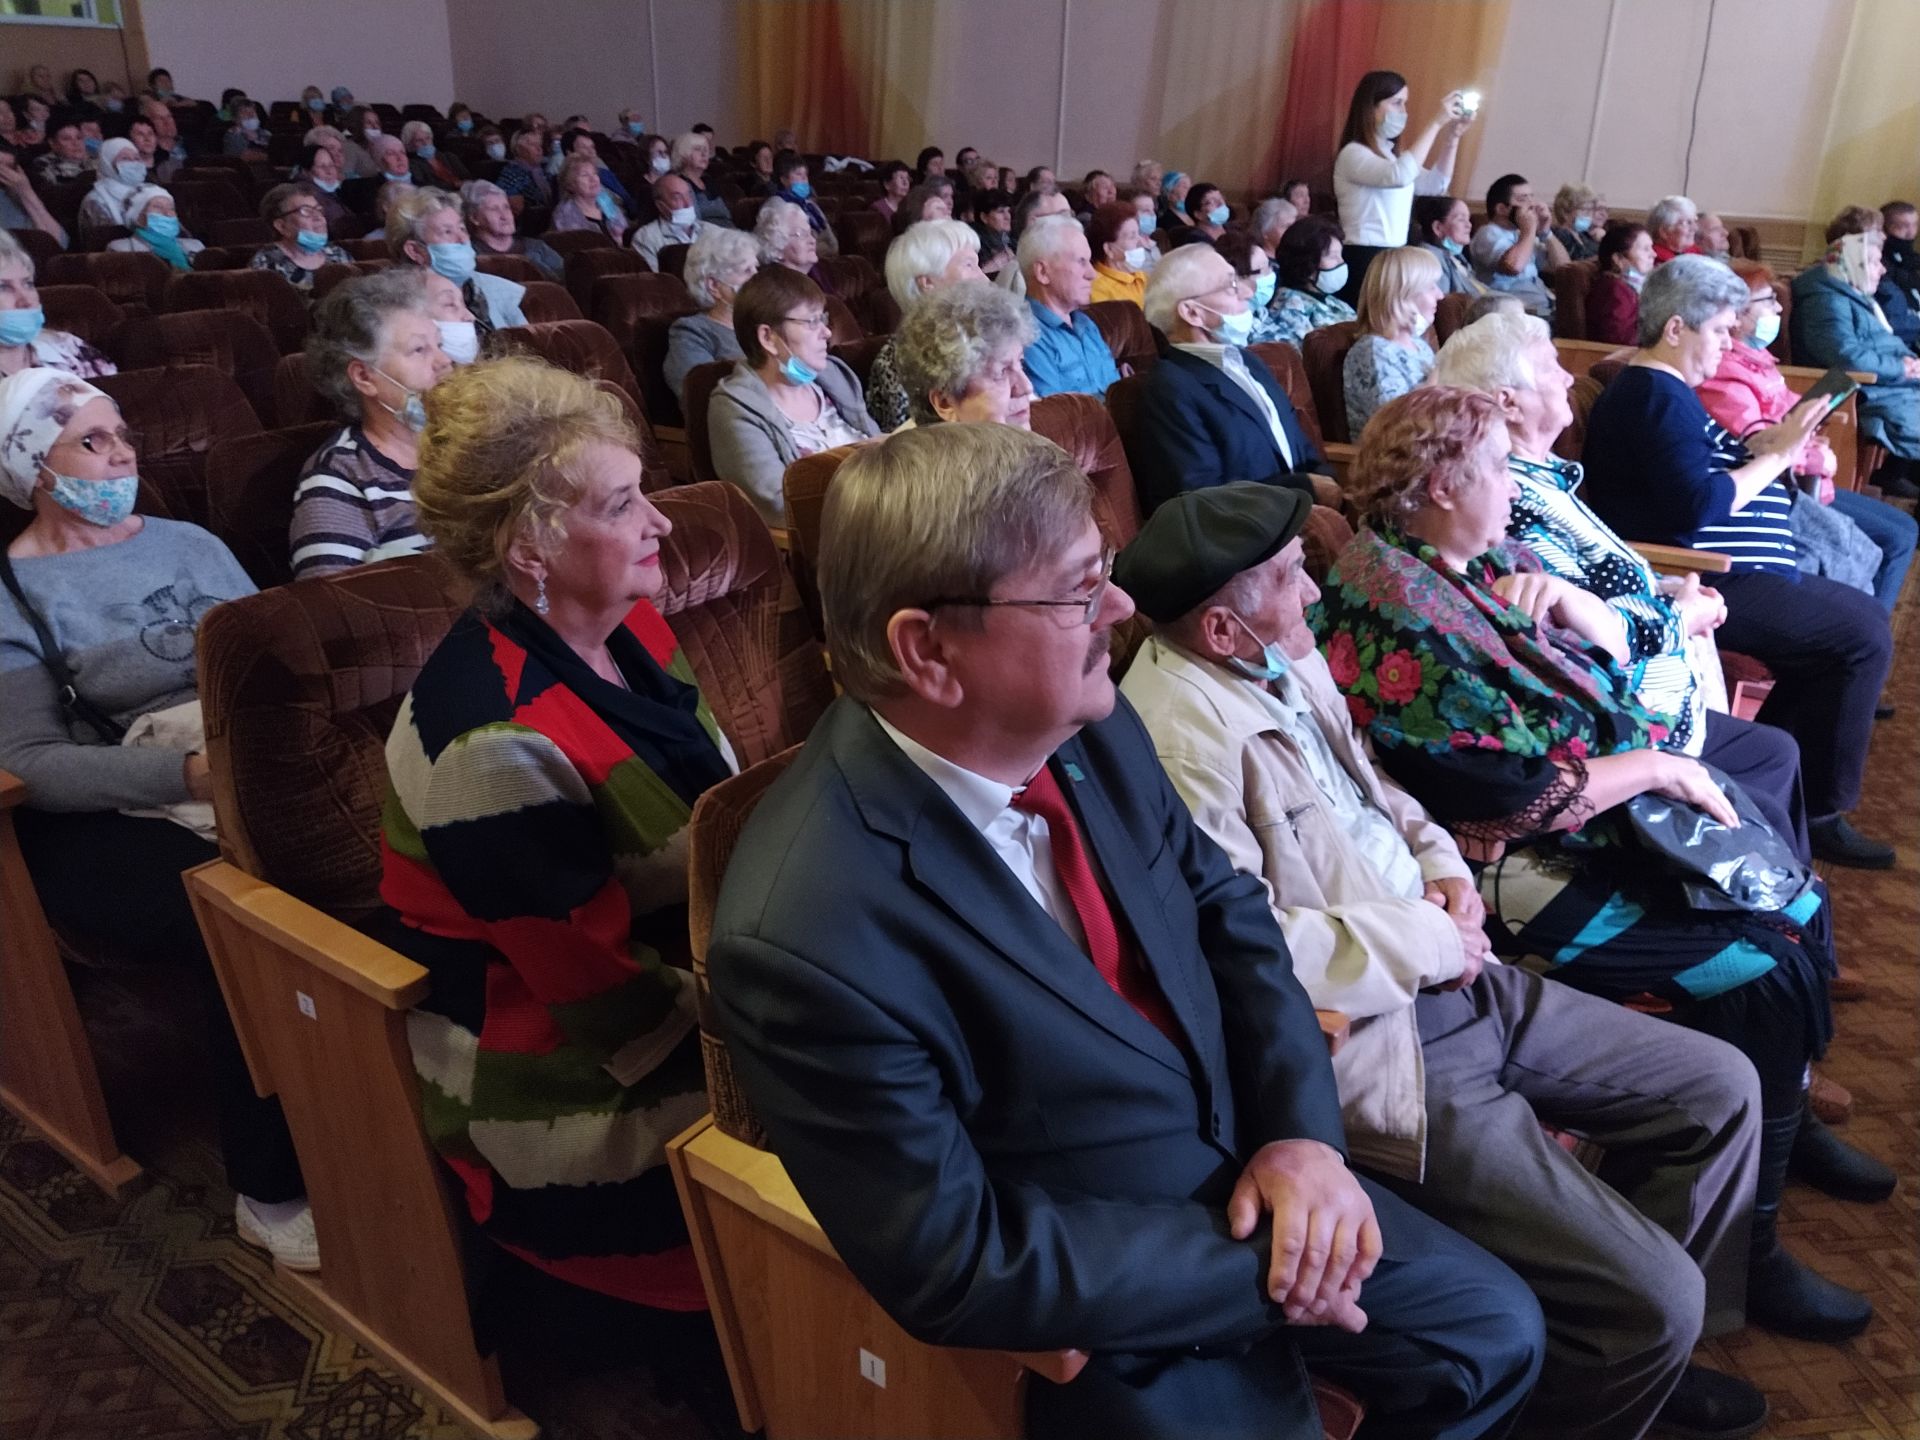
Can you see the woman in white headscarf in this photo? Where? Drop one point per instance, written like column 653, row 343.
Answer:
column 1836, row 324
column 122, row 174
column 99, row 610
column 156, row 229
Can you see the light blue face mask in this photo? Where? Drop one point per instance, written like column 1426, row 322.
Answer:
column 1582, row 223
column 1393, row 124
column 315, row 103
column 797, row 371
column 413, row 410
column 1263, row 289
column 427, row 151
column 608, row 206
column 167, row 227
column 312, row 241
column 21, row 327
column 1273, row 660
column 130, row 172
column 92, row 145
column 1149, row 222
column 464, row 125
column 1233, row 330
column 1218, row 215
column 802, row 188
column 1453, row 247
column 98, row 502
column 454, row 260
column 496, row 150
column 636, row 128
column 1766, row 330
column 325, row 187
column 392, row 179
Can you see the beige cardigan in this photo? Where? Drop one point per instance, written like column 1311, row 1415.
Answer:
column 1357, row 948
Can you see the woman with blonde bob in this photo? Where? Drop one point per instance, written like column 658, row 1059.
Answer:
column 1397, row 301
column 556, row 1049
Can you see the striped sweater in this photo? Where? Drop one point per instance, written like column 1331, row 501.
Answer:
column 537, row 865
column 351, row 506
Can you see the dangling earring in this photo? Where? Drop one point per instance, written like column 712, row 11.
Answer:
column 540, row 595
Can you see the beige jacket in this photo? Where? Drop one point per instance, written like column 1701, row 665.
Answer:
column 1357, row 947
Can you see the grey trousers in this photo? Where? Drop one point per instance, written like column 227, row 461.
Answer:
column 1630, row 1265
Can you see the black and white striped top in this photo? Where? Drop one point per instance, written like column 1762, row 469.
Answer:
column 351, row 506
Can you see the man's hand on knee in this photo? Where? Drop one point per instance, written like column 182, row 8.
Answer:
column 1326, row 1240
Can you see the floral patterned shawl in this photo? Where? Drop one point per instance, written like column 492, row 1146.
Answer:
column 1434, row 661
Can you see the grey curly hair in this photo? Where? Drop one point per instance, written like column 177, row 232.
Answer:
column 351, row 324
column 947, row 338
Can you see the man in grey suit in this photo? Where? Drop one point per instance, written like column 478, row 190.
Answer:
column 1032, row 1051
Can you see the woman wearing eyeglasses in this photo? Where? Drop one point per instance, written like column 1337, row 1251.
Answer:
column 300, row 244
column 789, row 397
column 101, row 605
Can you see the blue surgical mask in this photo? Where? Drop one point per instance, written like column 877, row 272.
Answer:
column 1766, row 330
column 496, row 150
column 607, row 204
column 372, row 133
column 92, row 145
column 427, row 151
column 1263, row 289
column 1634, row 278
column 325, row 187
column 21, row 327
column 312, row 241
column 1273, row 660
column 455, row 260
column 130, row 172
column 1218, row 215
column 316, row 104
column 250, row 123
column 464, row 125
column 413, row 410
column 114, row 103
column 1136, row 258
column 1391, row 127
column 802, row 188
column 1453, row 247
column 683, row 217
column 636, row 128
column 1148, row 224
column 1233, row 330
column 98, row 502
column 797, row 371
column 167, row 227
column 1582, row 223
column 1332, row 282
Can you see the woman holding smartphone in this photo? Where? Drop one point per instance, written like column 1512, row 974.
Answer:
column 1376, row 176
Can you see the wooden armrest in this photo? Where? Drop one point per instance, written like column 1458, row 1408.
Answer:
column 13, row 790
column 1059, row 1366
column 1327, row 492
column 327, row 944
column 782, row 537
column 1678, row 560
column 1336, row 1027
column 670, row 434
column 1340, row 454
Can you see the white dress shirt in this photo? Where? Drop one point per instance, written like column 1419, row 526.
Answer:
column 1019, row 837
column 1233, row 364
column 1375, row 192
column 653, row 237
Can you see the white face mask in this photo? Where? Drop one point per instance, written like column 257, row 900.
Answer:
column 460, row 340
column 1136, row 258
column 658, row 165
column 684, row 216
column 1420, row 324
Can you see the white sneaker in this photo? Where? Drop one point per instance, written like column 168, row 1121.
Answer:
column 291, row 1241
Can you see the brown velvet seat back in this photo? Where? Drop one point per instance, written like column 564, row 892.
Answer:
column 695, row 396
column 177, row 415
column 580, row 346
column 1123, row 325
column 1580, row 400
column 83, row 310
column 262, row 294
column 250, row 481
column 851, row 277
column 859, row 356
column 567, row 242
column 1570, row 285
column 295, row 401
column 1325, row 353
column 299, row 686
column 1448, row 316
column 226, row 340
column 545, row 303
column 128, row 280
column 224, row 257
column 1290, row 371
column 805, row 484
column 516, row 268
column 584, row 267
column 1081, row 426
column 866, row 233
column 638, row 310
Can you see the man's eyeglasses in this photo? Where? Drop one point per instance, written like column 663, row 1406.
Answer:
column 1088, row 605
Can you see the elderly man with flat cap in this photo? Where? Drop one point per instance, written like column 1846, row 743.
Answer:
column 1454, row 1061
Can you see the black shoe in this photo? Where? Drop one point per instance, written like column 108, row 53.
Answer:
column 1894, row 487
column 1838, row 843
column 1787, row 1298
column 1885, row 712
column 1826, row 1162
column 1707, row 1405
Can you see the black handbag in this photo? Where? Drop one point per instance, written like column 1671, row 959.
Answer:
column 1720, row 867
column 75, row 705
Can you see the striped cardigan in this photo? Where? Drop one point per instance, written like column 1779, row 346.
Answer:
column 539, row 868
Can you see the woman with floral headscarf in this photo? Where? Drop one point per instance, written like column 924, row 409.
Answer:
column 1835, row 323
column 1493, row 692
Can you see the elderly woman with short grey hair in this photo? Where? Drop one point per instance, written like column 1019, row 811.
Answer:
column 374, row 352
column 427, row 228
column 718, row 264
column 1674, row 223
column 490, row 220
column 1660, row 469
column 926, row 257
column 959, row 356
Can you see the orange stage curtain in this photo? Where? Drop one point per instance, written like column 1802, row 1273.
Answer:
column 1442, row 45
column 1333, row 46
column 794, row 71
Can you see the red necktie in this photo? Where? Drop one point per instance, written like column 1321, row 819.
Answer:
column 1112, row 951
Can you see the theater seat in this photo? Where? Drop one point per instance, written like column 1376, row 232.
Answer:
column 367, row 249
column 225, row 257
column 1081, row 426
column 1325, row 352
column 40, row 247
column 227, row 340
column 1124, row 327
column 577, row 345
column 638, row 310
column 859, row 355
column 1448, row 316
column 849, row 277
column 516, row 268
column 134, row 282
column 866, row 233
column 570, row 242
column 546, row 303
column 250, row 481
column 673, row 260
column 586, row 267
column 84, row 311
column 1570, row 285
column 176, row 415
column 798, row 1366
column 845, row 327
column 328, row 276
column 262, row 294
column 745, row 212
column 300, row 685
column 295, row 401
column 249, row 230
column 695, row 396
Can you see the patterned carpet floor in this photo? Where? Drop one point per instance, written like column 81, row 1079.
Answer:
column 146, row 1319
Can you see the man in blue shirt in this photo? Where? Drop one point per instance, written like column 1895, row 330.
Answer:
column 1509, row 250
column 1068, row 355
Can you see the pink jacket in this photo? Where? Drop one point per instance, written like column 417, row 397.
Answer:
column 1748, row 392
